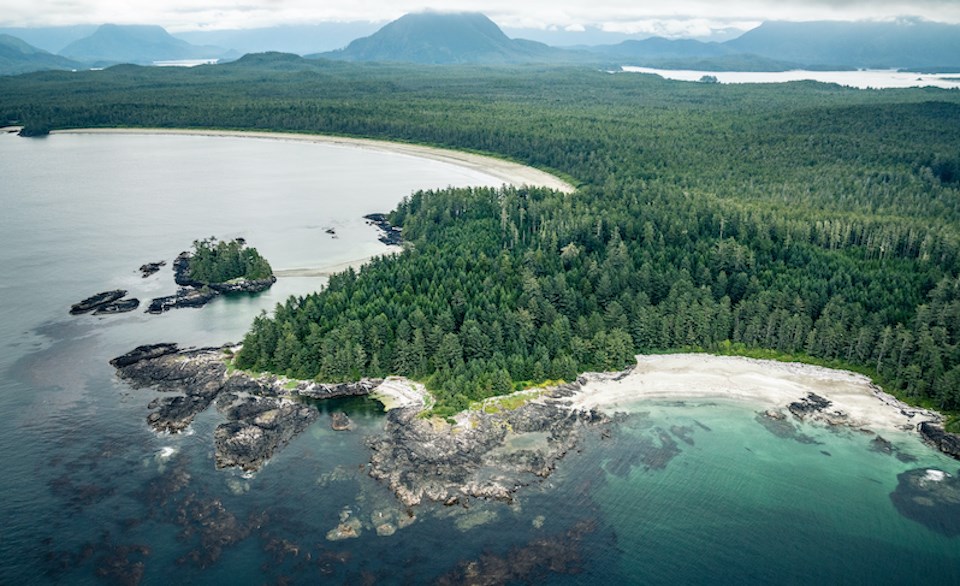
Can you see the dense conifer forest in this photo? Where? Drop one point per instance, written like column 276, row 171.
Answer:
column 798, row 220
column 219, row 261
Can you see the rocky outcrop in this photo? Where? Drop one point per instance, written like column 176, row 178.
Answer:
column 141, row 353
column 121, row 306
column 185, row 297
column 812, row 404
column 389, row 234
column 244, row 286
column 256, row 428
column 340, row 422
column 930, row 497
column 262, row 414
column 96, row 301
column 423, row 459
column 150, row 268
column 486, row 455
column 935, row 435
column 321, row 391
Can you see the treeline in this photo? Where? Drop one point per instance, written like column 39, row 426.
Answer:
column 521, row 285
column 803, row 218
column 219, row 261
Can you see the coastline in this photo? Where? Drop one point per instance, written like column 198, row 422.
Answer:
column 510, row 173
column 765, row 384
column 328, row 270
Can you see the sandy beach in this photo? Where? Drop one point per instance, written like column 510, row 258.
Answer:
column 766, row 384
column 325, row 271
column 510, row 173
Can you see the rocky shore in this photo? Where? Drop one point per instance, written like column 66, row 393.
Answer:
column 490, row 456
column 262, row 413
column 389, row 234
column 483, row 455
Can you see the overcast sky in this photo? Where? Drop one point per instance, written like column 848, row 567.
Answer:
column 670, row 18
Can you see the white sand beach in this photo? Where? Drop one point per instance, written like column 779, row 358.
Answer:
column 765, row 383
column 510, row 173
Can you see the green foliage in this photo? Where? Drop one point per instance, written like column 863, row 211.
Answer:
column 801, row 219
column 216, row 261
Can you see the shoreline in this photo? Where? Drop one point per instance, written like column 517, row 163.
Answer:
column 513, row 174
column 765, row 384
column 329, row 270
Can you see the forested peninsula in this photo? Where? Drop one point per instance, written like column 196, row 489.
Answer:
column 803, row 220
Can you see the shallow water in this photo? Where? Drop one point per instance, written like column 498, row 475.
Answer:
column 689, row 493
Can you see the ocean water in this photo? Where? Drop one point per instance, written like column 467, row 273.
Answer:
column 678, row 493
column 862, row 78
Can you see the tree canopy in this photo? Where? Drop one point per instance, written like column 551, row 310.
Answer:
column 219, row 261
column 803, row 219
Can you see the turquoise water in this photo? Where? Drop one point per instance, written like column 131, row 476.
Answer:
column 680, row 493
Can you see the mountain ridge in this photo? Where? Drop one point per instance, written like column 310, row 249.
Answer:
column 17, row 56
column 137, row 44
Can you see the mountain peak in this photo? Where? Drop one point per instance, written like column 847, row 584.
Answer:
column 442, row 38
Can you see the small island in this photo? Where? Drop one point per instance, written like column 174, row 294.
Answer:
column 212, row 268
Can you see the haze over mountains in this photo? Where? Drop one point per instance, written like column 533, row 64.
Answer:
column 143, row 44
column 452, row 38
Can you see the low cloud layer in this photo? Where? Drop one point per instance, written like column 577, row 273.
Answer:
column 676, row 18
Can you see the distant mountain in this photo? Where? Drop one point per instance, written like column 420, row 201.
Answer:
column 277, row 61
column 907, row 44
column 141, row 44
column 660, row 48
column 50, row 38
column 17, row 56
column 299, row 39
column 444, row 38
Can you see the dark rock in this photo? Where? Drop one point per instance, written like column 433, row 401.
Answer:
column 882, row 446
column 532, row 563
column 181, row 271
column 390, row 235
column 929, row 497
column 249, row 442
column 935, row 435
column 212, row 527
column 95, row 301
column 198, row 374
column 776, row 423
column 260, row 420
column 339, row 421
column 427, row 460
column 122, row 306
column 244, row 286
column 322, row 391
column 809, row 405
column 143, row 353
column 185, row 297
column 151, row 268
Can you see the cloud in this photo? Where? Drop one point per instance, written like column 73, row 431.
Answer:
column 639, row 16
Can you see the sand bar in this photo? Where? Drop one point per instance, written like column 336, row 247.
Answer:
column 510, row 173
column 766, row 384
